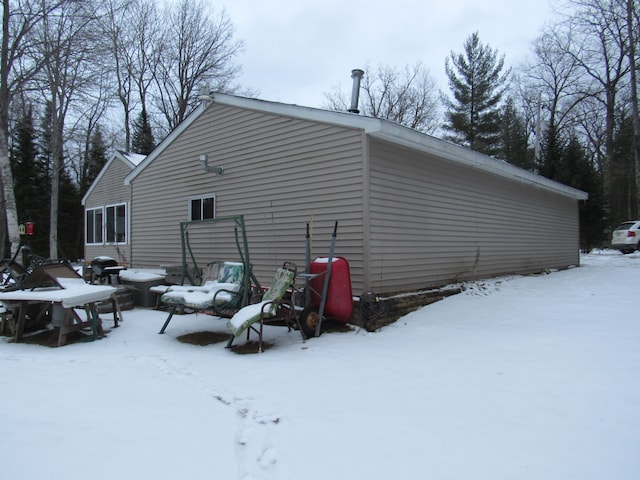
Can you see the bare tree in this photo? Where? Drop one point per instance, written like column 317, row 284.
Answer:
column 94, row 104
column 633, row 25
column 69, row 51
column 408, row 97
column 132, row 31
column 198, row 50
column 118, row 40
column 602, row 55
column 553, row 84
column 19, row 63
column 147, row 33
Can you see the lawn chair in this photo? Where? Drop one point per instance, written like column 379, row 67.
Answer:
column 275, row 306
column 221, row 297
column 11, row 272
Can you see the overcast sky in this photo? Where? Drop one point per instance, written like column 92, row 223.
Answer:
column 298, row 49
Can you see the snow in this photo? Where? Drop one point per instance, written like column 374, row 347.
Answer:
column 200, row 297
column 326, row 260
column 135, row 158
column 72, row 295
column 134, row 275
column 522, row 377
column 246, row 316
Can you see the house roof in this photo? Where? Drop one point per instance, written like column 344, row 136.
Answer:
column 131, row 160
column 376, row 128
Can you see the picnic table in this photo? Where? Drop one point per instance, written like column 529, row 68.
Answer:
column 62, row 301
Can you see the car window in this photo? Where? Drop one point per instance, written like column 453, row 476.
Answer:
column 625, row 226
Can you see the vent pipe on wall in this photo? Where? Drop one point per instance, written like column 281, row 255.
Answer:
column 357, row 75
column 204, row 164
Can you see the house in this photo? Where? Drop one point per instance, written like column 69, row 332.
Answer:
column 413, row 211
column 106, row 209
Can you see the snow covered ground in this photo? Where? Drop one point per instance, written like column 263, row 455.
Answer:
column 516, row 378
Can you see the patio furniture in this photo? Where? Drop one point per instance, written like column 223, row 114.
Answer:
column 220, row 297
column 275, row 306
column 55, row 289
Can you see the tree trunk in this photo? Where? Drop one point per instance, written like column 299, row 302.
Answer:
column 56, row 168
column 6, row 175
column 9, row 195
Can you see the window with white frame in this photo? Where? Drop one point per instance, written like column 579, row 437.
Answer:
column 116, row 223
column 94, row 225
column 202, row 207
column 106, row 224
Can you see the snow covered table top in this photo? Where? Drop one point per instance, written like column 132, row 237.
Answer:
column 75, row 294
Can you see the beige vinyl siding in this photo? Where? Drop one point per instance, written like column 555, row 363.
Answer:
column 280, row 173
column 111, row 190
column 434, row 223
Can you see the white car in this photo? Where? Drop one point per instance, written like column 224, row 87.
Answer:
column 626, row 237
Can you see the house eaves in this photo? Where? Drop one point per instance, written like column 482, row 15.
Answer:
column 376, row 128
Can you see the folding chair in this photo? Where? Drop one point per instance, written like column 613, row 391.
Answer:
column 274, row 306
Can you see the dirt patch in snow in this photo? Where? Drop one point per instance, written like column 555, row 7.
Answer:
column 203, row 338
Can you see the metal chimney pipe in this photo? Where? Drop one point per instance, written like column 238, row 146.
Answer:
column 357, row 75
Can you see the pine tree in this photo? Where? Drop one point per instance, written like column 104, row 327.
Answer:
column 70, row 219
column 551, row 164
column 477, row 84
column 31, row 183
column 94, row 161
column 565, row 161
column 142, row 141
column 514, row 138
column 623, row 197
column 578, row 172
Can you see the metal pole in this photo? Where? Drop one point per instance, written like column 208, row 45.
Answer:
column 307, row 262
column 325, row 287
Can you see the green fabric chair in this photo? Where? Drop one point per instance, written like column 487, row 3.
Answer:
column 222, row 296
column 268, row 308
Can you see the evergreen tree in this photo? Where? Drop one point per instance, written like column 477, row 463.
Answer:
column 70, row 219
column 514, row 138
column 566, row 162
column 95, row 159
column 551, row 159
column 31, row 183
column 623, row 197
column 142, row 141
column 477, row 84
column 578, row 172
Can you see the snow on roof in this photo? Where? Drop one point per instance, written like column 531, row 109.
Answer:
column 134, row 158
